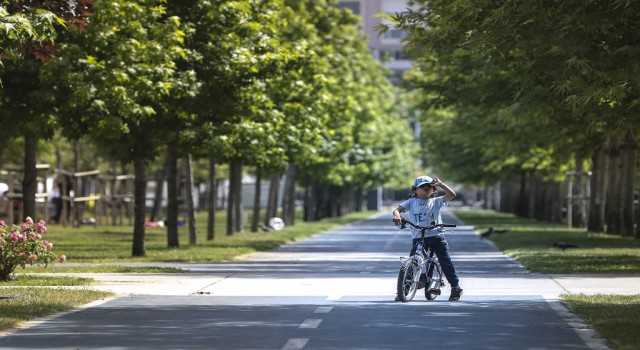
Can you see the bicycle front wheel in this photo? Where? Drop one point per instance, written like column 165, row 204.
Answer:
column 407, row 284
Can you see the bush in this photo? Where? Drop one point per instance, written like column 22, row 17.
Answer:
column 22, row 245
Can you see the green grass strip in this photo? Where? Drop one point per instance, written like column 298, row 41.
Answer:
column 23, row 304
column 46, row 280
column 100, row 268
column 531, row 242
column 614, row 317
column 112, row 244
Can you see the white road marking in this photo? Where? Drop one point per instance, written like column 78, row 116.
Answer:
column 449, row 314
column 295, row 344
column 311, row 323
column 323, row 309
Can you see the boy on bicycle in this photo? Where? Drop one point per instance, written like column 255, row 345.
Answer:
column 424, row 208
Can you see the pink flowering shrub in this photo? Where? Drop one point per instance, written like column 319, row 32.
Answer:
column 22, row 245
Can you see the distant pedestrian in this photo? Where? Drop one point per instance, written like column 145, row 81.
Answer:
column 60, row 198
column 56, row 200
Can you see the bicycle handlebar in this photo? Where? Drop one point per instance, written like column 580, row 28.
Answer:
column 433, row 225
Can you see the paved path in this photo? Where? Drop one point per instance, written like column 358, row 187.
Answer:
column 333, row 291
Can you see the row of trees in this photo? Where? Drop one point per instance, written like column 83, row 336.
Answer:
column 277, row 86
column 515, row 95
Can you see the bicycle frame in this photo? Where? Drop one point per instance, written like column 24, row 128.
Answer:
column 423, row 261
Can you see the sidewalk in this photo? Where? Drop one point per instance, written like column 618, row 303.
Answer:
column 200, row 276
column 598, row 284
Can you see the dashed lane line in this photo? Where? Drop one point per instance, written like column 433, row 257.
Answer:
column 300, row 343
column 295, row 344
column 311, row 323
column 323, row 309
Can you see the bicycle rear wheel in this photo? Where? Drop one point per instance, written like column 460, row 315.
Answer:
column 434, row 282
column 407, row 285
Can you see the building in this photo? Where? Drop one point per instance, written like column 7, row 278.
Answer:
column 387, row 48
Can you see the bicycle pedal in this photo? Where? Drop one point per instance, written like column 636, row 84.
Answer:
column 435, row 291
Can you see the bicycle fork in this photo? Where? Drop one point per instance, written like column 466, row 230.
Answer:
column 419, row 263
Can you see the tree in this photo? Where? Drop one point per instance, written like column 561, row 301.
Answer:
column 31, row 29
column 345, row 112
column 239, row 50
column 573, row 77
column 123, row 73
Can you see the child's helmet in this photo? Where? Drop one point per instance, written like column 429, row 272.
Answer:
column 421, row 180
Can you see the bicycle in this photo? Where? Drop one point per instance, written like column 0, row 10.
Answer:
column 414, row 266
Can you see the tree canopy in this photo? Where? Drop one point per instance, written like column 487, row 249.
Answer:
column 525, row 87
column 271, row 84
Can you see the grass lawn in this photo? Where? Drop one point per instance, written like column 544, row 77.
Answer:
column 32, row 294
column 531, row 243
column 110, row 245
column 615, row 317
column 28, row 297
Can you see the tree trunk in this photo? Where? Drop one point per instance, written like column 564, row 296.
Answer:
column 238, row 203
column 359, row 199
column 288, row 200
column 533, row 186
column 309, row 202
column 613, row 195
column 335, row 197
column 256, row 202
column 578, row 196
column 508, row 199
column 191, row 215
column 231, row 199
column 29, row 181
column 628, row 185
column 552, row 201
column 272, row 202
column 322, row 203
column 522, row 195
column 76, row 156
column 172, row 197
column 139, row 212
column 161, row 175
column 599, row 183
column 213, row 198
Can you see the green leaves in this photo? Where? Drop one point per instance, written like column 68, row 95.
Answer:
column 36, row 25
column 539, row 77
column 128, row 57
column 267, row 81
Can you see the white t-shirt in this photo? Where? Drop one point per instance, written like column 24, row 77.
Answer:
column 422, row 212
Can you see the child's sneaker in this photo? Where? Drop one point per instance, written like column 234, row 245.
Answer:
column 435, row 291
column 456, row 293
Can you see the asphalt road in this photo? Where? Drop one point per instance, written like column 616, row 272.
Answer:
column 333, row 291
